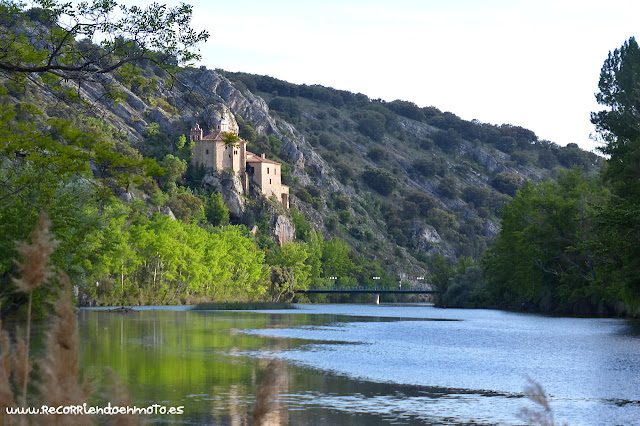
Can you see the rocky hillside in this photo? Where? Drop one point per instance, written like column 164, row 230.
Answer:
column 399, row 183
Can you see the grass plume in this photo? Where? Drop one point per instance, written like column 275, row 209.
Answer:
column 119, row 395
column 20, row 362
column 34, row 270
column 265, row 410
column 59, row 383
column 6, row 394
column 60, row 368
column 542, row 414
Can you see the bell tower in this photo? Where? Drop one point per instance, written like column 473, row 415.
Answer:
column 196, row 133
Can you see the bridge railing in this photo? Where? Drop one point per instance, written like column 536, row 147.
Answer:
column 362, row 289
column 369, row 288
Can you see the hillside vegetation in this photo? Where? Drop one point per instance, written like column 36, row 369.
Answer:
column 404, row 183
column 379, row 188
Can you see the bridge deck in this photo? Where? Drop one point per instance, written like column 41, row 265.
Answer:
column 364, row 290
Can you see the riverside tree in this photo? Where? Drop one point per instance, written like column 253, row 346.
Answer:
column 543, row 256
column 619, row 127
column 64, row 165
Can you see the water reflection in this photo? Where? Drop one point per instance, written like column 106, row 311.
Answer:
column 360, row 365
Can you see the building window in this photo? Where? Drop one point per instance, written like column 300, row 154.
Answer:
column 269, row 181
column 267, row 170
column 229, row 155
column 207, row 152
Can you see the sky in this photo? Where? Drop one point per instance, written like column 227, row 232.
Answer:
column 534, row 64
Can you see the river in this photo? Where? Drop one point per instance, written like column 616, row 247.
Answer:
column 370, row 365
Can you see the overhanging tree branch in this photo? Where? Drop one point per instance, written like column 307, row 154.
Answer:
column 43, row 43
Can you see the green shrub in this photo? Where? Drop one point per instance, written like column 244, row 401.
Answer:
column 379, row 179
column 166, row 106
column 371, row 124
column 345, row 216
column 508, row 183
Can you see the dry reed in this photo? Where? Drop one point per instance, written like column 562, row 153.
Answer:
column 20, row 362
column 34, row 272
column 542, row 415
column 60, row 368
column 60, row 383
column 265, row 410
column 6, row 394
column 119, row 395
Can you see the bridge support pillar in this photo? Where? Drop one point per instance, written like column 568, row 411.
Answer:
column 376, row 299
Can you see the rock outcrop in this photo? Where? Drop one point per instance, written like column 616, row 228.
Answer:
column 425, row 237
column 214, row 112
column 283, row 230
column 229, row 187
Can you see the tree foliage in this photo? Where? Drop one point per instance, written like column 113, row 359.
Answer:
column 544, row 254
column 619, row 126
column 60, row 40
column 508, row 183
column 216, row 210
column 371, row 124
column 618, row 90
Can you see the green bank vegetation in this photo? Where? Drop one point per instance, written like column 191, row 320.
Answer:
column 571, row 244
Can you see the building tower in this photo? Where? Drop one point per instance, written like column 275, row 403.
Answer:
column 196, row 133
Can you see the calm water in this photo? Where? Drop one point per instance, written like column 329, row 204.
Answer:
column 368, row 365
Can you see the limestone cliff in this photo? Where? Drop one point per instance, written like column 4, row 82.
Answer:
column 448, row 177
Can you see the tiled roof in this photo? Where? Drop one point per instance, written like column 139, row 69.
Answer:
column 253, row 158
column 216, row 136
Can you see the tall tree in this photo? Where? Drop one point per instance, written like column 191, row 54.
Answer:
column 543, row 255
column 619, row 127
column 619, row 87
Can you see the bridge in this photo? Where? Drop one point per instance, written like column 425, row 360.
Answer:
column 376, row 291
column 365, row 290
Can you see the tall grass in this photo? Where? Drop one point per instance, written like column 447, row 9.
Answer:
column 541, row 414
column 58, row 382
column 34, row 271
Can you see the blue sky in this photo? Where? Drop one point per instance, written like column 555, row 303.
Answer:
column 530, row 63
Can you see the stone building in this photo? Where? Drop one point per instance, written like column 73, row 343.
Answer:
column 214, row 153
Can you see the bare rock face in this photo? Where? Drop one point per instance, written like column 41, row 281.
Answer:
column 235, row 204
column 490, row 229
column 246, row 104
column 254, row 109
column 125, row 196
column 283, row 230
column 215, row 112
column 165, row 210
column 485, row 159
column 229, row 187
column 426, row 237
